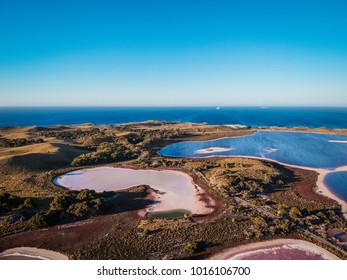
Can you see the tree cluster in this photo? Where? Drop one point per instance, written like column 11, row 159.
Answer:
column 105, row 153
column 18, row 142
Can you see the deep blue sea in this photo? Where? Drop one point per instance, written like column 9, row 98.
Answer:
column 252, row 116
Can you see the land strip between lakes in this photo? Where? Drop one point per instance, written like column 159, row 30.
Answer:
column 300, row 228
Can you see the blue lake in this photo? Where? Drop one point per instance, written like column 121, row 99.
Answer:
column 297, row 148
column 337, row 182
column 312, row 150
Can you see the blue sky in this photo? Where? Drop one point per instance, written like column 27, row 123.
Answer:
column 173, row 53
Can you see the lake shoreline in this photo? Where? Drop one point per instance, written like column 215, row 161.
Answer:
column 200, row 195
column 31, row 253
column 243, row 251
column 321, row 186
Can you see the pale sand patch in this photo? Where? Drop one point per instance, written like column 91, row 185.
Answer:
column 212, row 150
column 338, row 141
column 32, row 253
column 243, row 251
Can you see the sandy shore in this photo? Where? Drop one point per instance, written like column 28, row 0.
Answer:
column 323, row 189
column 274, row 248
column 338, row 141
column 31, row 253
column 212, row 150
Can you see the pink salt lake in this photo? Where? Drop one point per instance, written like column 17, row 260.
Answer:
column 176, row 189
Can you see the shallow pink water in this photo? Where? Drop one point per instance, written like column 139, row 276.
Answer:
column 279, row 253
column 277, row 249
column 177, row 188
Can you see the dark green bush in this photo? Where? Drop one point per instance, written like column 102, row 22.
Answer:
column 106, row 152
column 9, row 202
column 86, row 209
column 44, row 219
column 134, row 138
column 60, row 202
column 86, row 194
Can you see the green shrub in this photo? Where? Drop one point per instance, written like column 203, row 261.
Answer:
column 60, row 203
column 295, row 213
column 259, row 223
column 86, row 194
column 106, row 152
column 134, row 138
column 86, row 209
column 190, row 248
column 44, row 219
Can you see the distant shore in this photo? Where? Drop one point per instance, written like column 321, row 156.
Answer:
column 237, row 117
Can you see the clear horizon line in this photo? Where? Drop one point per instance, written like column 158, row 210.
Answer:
column 171, row 106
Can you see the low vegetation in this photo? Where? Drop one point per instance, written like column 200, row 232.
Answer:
column 18, row 142
column 256, row 200
column 105, row 153
column 69, row 206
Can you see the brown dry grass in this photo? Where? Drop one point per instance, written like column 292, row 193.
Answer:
column 25, row 170
column 15, row 132
column 41, row 148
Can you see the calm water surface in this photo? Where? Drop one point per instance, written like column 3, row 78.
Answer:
column 252, row 116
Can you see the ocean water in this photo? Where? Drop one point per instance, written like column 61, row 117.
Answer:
column 251, row 116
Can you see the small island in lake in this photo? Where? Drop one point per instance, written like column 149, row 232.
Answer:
column 172, row 190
